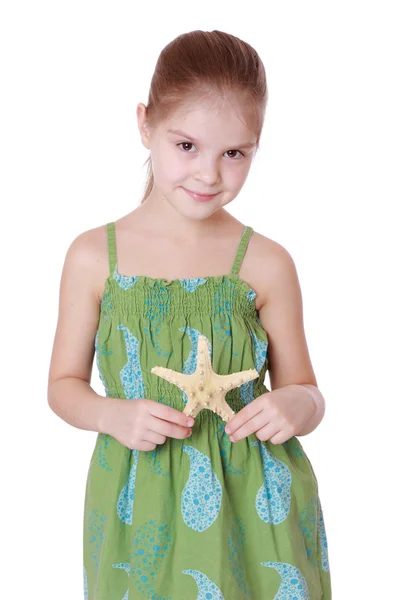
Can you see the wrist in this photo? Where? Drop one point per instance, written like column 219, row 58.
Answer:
column 318, row 402
column 105, row 414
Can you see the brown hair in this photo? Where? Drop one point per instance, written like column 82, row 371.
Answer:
column 201, row 64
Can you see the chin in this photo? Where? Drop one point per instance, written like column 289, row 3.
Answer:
column 193, row 209
column 198, row 213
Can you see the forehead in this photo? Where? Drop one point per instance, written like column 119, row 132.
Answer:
column 202, row 120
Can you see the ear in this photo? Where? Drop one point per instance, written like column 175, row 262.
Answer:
column 144, row 129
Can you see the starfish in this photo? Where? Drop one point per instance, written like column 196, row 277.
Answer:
column 204, row 387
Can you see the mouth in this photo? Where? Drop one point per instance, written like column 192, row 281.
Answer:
column 200, row 197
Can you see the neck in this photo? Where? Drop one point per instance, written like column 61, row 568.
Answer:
column 165, row 218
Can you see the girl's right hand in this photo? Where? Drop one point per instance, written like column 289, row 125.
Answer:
column 141, row 424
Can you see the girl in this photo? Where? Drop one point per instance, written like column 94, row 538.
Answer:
column 177, row 507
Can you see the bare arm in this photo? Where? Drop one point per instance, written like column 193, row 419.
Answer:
column 76, row 402
column 70, row 395
column 141, row 424
column 282, row 317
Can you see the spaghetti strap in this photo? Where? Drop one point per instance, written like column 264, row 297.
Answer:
column 241, row 250
column 112, row 247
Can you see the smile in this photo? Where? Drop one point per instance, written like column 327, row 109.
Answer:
column 200, row 197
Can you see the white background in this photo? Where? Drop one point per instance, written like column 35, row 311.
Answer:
column 325, row 184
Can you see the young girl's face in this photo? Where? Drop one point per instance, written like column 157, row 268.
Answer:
column 202, row 149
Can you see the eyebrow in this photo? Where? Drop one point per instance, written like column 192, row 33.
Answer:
column 182, row 134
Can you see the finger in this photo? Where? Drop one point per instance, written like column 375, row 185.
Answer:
column 250, row 427
column 162, row 411
column 153, row 437
column 280, row 437
column 147, row 446
column 243, row 416
column 169, row 429
column 268, row 432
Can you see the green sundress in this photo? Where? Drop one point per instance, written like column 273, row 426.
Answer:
column 200, row 518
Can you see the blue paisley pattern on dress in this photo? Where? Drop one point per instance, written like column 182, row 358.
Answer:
column 131, row 374
column 191, row 284
column 273, row 498
column 127, row 495
column 125, row 282
column 247, row 389
column 202, row 494
column 207, row 590
column 293, row 585
column 151, row 545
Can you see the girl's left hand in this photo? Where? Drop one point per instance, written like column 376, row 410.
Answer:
column 276, row 416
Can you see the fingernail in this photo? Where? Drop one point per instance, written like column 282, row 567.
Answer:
column 228, row 430
column 189, row 433
column 190, row 422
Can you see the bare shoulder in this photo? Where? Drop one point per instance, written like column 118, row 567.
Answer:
column 281, row 314
column 269, row 263
column 79, row 306
column 88, row 256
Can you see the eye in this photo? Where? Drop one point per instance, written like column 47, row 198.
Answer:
column 236, row 151
column 186, row 143
column 190, row 144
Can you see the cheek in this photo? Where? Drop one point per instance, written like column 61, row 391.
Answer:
column 235, row 177
column 167, row 165
column 177, row 171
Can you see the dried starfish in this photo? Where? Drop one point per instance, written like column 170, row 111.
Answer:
column 205, row 388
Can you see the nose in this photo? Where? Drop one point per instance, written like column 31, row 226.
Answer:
column 207, row 171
